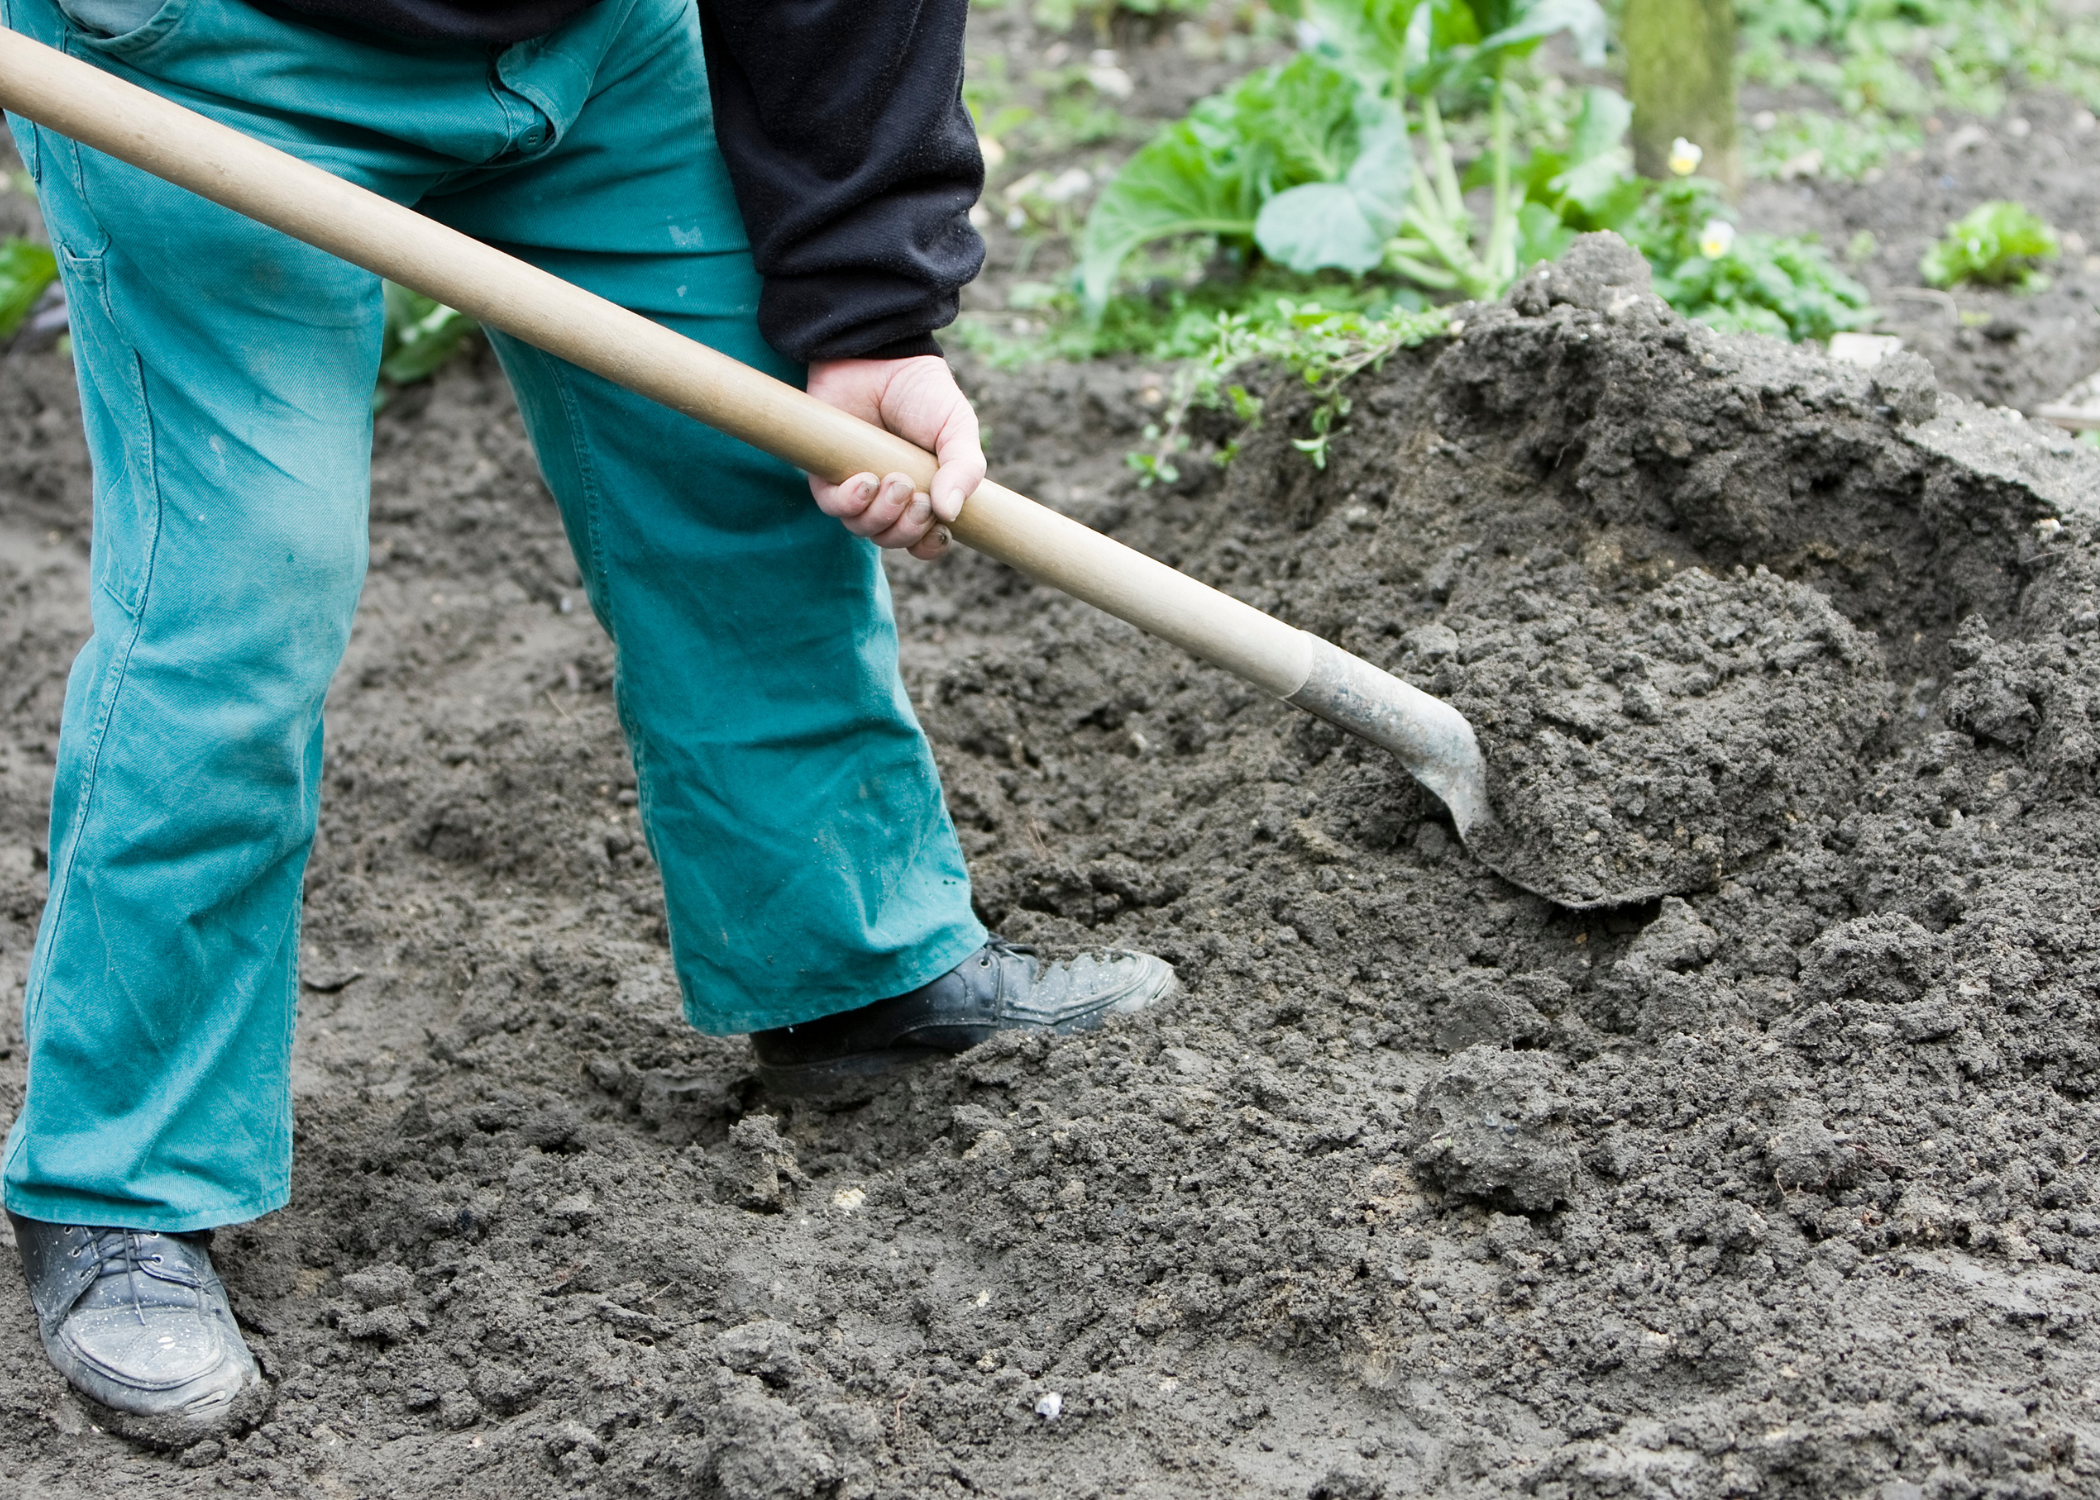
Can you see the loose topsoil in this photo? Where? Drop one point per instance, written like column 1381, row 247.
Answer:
column 1424, row 1186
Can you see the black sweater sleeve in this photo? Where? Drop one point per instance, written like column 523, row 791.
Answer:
column 855, row 165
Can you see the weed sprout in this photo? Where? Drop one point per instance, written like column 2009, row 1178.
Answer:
column 1999, row 244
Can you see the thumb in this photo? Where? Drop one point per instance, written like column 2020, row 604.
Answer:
column 954, row 484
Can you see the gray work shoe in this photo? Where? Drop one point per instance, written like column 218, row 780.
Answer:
column 138, row 1322
column 1001, row 987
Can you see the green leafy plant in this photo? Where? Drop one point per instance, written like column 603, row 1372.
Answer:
column 1210, row 173
column 1589, row 185
column 1999, row 244
column 1703, row 267
column 1339, row 159
column 421, row 335
column 1332, row 186
column 1740, row 283
column 1403, row 54
column 26, row 269
column 1173, row 319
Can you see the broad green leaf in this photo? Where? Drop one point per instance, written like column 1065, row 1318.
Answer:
column 1365, row 38
column 1414, row 60
column 1598, row 182
column 1301, row 120
column 421, row 335
column 1319, row 226
column 1490, row 16
column 1441, row 38
column 1601, row 125
column 1384, row 168
column 1591, row 185
column 1343, row 226
column 1598, row 198
column 1537, row 173
column 1209, row 174
column 1450, row 25
column 1540, row 235
column 1182, row 183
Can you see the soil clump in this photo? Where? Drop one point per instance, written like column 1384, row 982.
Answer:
column 1425, row 1186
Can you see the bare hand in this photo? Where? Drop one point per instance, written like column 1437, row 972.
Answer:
column 918, row 399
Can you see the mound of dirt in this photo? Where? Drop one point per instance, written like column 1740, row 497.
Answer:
column 1640, row 747
column 1425, row 1186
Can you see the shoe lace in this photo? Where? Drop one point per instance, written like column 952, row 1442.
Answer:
column 121, row 1250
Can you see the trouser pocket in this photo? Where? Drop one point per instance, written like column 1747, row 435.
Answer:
column 119, row 433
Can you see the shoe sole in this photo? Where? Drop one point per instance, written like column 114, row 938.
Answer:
column 246, row 1410
column 841, row 1080
column 858, row 1075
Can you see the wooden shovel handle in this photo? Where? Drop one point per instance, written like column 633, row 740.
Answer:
column 309, row 204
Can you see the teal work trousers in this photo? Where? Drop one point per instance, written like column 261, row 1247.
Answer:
column 226, row 372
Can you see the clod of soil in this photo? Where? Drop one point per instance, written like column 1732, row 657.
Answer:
column 1425, row 1186
column 1657, row 742
column 1645, row 730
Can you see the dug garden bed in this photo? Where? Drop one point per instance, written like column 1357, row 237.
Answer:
column 1423, row 1186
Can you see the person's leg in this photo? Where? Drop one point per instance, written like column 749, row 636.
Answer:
column 226, row 373
column 225, row 376
column 788, row 794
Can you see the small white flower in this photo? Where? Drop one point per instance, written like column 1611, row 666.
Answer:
column 1716, row 239
column 1685, row 157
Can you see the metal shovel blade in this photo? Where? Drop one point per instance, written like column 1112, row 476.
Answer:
column 1437, row 745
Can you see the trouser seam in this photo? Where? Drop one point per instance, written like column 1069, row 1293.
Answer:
column 282, row 1127
column 593, row 496
column 62, row 868
column 120, row 667
column 69, row 36
column 593, row 510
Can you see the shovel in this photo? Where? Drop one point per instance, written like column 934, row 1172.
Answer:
column 1430, row 738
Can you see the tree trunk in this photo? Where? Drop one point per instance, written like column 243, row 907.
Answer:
column 1680, row 71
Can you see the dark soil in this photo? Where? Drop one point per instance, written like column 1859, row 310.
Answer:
column 1782, row 1186
column 1424, row 1186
